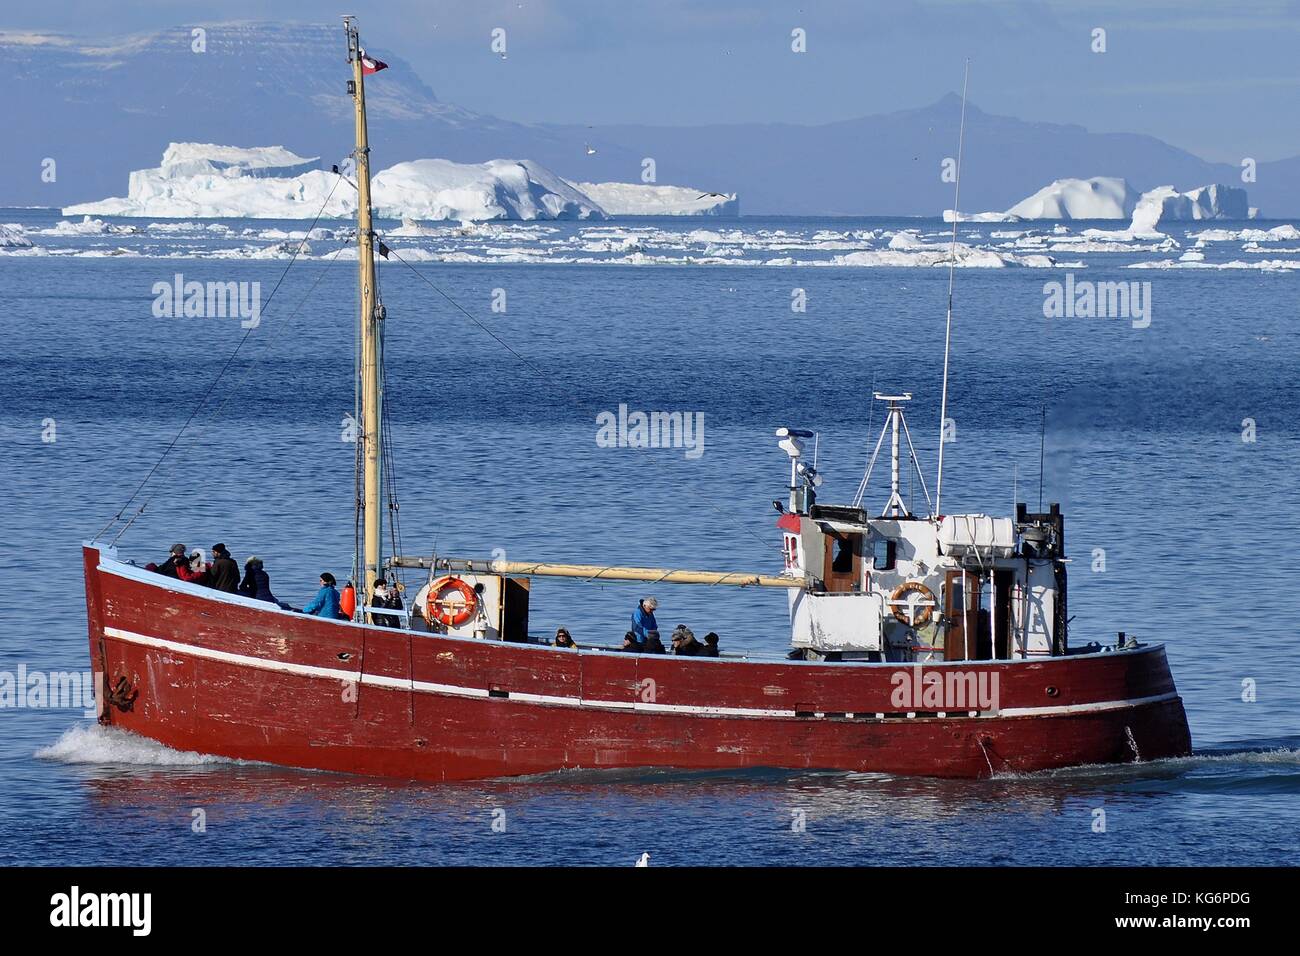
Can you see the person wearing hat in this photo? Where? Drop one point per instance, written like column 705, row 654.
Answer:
column 643, row 620
column 168, row 567
column 224, row 573
column 257, row 583
column 630, row 643
column 684, row 642
column 652, row 644
column 195, row 570
column 564, row 639
column 710, row 645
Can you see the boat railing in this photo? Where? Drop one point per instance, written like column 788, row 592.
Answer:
column 402, row 613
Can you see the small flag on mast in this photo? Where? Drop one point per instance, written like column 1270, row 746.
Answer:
column 370, row 65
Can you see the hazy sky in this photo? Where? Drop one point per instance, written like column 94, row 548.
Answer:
column 1220, row 79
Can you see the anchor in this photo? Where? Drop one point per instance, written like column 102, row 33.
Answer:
column 122, row 695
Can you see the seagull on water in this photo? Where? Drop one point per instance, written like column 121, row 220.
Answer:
column 644, row 860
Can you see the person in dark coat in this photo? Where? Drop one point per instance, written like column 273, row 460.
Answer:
column 257, row 583
column 386, row 595
column 224, row 573
column 652, row 644
column 684, row 642
column 631, row 644
column 168, row 567
column 710, row 645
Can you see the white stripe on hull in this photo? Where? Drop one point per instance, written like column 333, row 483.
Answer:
column 453, row 690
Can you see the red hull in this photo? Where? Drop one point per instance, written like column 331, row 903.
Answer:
column 236, row 678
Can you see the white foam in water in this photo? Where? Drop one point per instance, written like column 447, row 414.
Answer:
column 93, row 744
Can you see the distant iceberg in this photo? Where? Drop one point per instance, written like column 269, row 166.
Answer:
column 639, row 199
column 199, row 180
column 1206, row 202
column 499, row 189
column 1102, row 197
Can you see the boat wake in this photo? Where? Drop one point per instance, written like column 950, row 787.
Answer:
column 94, row 744
column 1247, row 761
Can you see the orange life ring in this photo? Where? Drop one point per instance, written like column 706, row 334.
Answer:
column 451, row 613
column 901, row 606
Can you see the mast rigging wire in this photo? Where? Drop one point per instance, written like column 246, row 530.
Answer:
column 952, row 267
column 221, row 374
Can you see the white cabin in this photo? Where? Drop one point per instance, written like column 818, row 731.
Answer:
column 899, row 587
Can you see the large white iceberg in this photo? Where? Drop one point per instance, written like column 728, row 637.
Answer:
column 1206, row 202
column 1102, row 197
column 498, row 189
column 641, row 199
column 198, row 180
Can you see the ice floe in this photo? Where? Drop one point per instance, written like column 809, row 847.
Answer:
column 641, row 199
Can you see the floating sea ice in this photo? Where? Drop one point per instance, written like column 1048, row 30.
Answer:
column 88, row 227
column 1276, row 234
column 11, row 237
column 1266, row 265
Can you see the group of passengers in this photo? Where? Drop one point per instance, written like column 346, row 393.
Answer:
column 644, row 636
column 222, row 574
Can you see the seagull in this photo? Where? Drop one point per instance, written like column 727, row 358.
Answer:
column 591, row 150
column 711, row 196
column 644, row 860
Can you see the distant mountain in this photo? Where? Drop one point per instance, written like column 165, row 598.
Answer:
column 104, row 108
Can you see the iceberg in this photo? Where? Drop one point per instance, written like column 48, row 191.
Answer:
column 1206, row 202
column 640, row 199
column 204, row 181
column 499, row 189
column 1102, row 197
column 11, row 237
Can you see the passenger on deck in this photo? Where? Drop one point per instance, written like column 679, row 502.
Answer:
column 630, row 643
column 326, row 601
column 384, row 596
column 195, row 571
column 224, row 573
column 168, row 567
column 643, row 620
column 395, row 602
column 257, row 583
column 653, row 645
column 710, row 645
column 564, row 639
column 684, row 642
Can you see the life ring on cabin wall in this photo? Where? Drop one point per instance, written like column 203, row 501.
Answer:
column 902, row 607
column 442, row 606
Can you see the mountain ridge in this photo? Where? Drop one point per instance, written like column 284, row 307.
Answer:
column 99, row 109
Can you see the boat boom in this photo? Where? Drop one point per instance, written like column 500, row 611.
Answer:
column 599, row 572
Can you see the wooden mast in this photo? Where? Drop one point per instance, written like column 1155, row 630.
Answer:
column 370, row 329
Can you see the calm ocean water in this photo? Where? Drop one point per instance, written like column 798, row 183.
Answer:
column 1200, row 530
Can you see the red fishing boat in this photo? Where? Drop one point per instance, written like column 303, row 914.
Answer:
column 919, row 644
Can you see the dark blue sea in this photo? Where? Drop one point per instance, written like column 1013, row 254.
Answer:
column 1173, row 449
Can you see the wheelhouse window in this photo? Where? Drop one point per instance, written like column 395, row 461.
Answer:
column 883, row 554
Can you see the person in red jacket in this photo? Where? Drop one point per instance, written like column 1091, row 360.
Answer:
column 194, row 571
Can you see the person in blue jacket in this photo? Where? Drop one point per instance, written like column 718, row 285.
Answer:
column 643, row 620
column 326, row 601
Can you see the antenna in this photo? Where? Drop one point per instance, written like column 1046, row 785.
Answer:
column 952, row 266
column 1042, row 444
